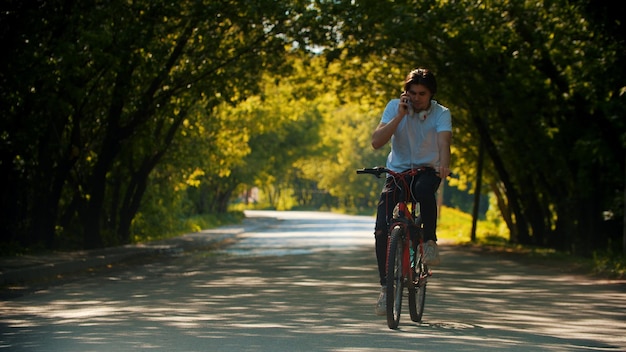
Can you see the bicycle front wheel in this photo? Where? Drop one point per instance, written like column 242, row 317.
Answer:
column 417, row 292
column 394, row 277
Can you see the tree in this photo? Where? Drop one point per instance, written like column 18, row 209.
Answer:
column 536, row 83
column 94, row 97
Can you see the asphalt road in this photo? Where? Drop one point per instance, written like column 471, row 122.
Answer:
column 309, row 283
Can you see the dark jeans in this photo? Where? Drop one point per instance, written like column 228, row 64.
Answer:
column 424, row 186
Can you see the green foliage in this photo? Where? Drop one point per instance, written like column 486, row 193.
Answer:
column 157, row 229
column 94, row 97
column 121, row 120
column 538, row 84
column 455, row 225
column 610, row 264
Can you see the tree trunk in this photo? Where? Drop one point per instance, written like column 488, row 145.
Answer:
column 132, row 200
column 520, row 233
column 477, row 189
column 91, row 216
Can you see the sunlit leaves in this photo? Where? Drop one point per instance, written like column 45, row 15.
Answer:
column 211, row 95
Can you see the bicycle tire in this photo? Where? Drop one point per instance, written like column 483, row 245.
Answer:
column 417, row 286
column 417, row 293
column 394, row 277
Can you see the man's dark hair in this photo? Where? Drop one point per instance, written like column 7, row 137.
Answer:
column 421, row 76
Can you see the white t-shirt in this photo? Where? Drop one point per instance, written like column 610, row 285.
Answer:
column 414, row 143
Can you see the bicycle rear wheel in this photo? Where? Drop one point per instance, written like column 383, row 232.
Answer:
column 394, row 277
column 417, row 292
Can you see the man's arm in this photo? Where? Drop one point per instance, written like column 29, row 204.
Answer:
column 384, row 131
column 444, row 139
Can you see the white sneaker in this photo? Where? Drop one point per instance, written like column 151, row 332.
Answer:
column 431, row 253
column 381, row 305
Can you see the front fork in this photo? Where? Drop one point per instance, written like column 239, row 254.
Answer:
column 412, row 243
column 403, row 217
column 410, row 251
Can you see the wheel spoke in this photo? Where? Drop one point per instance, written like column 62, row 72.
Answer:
column 394, row 277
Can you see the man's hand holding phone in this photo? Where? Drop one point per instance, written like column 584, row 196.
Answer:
column 405, row 103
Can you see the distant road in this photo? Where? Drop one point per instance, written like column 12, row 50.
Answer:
column 308, row 282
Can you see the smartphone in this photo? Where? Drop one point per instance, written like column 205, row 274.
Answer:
column 405, row 99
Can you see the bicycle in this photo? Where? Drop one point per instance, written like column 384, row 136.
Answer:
column 405, row 251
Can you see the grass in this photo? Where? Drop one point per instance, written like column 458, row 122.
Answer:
column 455, row 226
column 191, row 224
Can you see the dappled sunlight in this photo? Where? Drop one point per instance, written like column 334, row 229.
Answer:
column 229, row 304
column 305, row 233
column 319, row 301
column 507, row 297
column 232, row 302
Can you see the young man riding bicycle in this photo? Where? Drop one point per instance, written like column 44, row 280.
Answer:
column 420, row 131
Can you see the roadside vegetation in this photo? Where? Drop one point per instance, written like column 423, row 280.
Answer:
column 127, row 122
column 455, row 226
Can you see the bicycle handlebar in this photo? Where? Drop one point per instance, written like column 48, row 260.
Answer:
column 378, row 170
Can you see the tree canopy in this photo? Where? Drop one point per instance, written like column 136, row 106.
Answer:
column 120, row 117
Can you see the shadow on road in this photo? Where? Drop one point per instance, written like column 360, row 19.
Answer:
column 321, row 299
